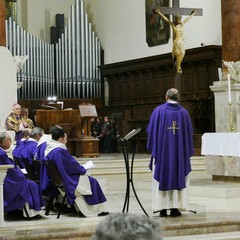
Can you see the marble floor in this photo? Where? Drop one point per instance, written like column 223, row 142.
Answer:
column 214, row 211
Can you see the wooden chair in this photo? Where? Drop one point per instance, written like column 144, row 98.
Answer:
column 31, row 169
column 36, row 164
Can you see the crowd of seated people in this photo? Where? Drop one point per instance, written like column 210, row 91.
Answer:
column 19, row 192
column 32, row 195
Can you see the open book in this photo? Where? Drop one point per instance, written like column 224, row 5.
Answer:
column 88, row 165
column 24, row 171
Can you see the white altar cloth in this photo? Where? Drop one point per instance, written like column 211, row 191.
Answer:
column 222, row 144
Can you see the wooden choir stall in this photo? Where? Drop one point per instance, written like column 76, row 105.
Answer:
column 77, row 125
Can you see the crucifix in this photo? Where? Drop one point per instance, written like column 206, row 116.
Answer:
column 178, row 51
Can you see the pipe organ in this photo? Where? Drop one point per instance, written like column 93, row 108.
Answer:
column 67, row 69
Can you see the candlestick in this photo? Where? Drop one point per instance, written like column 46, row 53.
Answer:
column 229, row 90
column 230, row 125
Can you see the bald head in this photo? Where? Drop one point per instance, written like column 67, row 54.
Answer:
column 172, row 94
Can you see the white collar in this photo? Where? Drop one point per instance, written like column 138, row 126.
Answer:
column 52, row 144
column 172, row 101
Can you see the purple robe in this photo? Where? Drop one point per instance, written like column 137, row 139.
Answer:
column 46, row 185
column 17, row 189
column 170, row 141
column 39, row 151
column 28, row 151
column 17, row 150
column 71, row 171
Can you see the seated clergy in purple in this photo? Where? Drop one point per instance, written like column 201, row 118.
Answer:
column 20, row 143
column 46, row 186
column 45, row 183
column 28, row 151
column 81, row 188
column 18, row 191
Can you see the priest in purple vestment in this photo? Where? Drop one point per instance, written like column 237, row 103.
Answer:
column 80, row 188
column 46, row 186
column 28, row 151
column 170, row 141
column 18, row 191
column 20, row 145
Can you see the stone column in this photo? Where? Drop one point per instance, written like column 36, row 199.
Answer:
column 230, row 30
column 2, row 24
column 8, row 81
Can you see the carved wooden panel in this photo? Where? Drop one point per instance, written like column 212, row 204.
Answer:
column 136, row 87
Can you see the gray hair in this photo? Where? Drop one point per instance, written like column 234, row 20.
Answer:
column 36, row 131
column 172, row 94
column 124, row 226
column 3, row 136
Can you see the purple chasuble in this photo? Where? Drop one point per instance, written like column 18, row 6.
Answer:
column 170, row 140
column 39, row 151
column 46, row 185
column 17, row 189
column 17, row 150
column 71, row 171
column 28, row 151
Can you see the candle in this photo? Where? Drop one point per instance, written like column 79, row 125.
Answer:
column 220, row 74
column 229, row 90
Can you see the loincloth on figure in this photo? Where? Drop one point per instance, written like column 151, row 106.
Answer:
column 178, row 48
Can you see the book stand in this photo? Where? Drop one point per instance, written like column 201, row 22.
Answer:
column 134, row 135
column 87, row 146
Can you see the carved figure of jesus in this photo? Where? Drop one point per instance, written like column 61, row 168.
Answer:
column 178, row 51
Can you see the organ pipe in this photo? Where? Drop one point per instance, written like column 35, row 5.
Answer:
column 68, row 68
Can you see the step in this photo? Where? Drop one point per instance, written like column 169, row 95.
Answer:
column 116, row 165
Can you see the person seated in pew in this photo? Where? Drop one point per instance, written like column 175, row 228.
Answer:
column 42, row 144
column 49, row 191
column 18, row 191
column 80, row 188
column 27, row 121
column 20, row 144
column 27, row 152
column 46, row 186
column 26, row 155
column 15, row 122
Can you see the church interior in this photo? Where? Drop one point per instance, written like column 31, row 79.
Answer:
column 84, row 59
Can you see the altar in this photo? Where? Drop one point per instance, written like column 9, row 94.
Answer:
column 222, row 151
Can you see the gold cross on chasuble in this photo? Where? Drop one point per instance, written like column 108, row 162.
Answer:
column 174, row 127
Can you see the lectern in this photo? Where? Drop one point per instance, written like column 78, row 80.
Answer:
column 133, row 135
column 88, row 146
